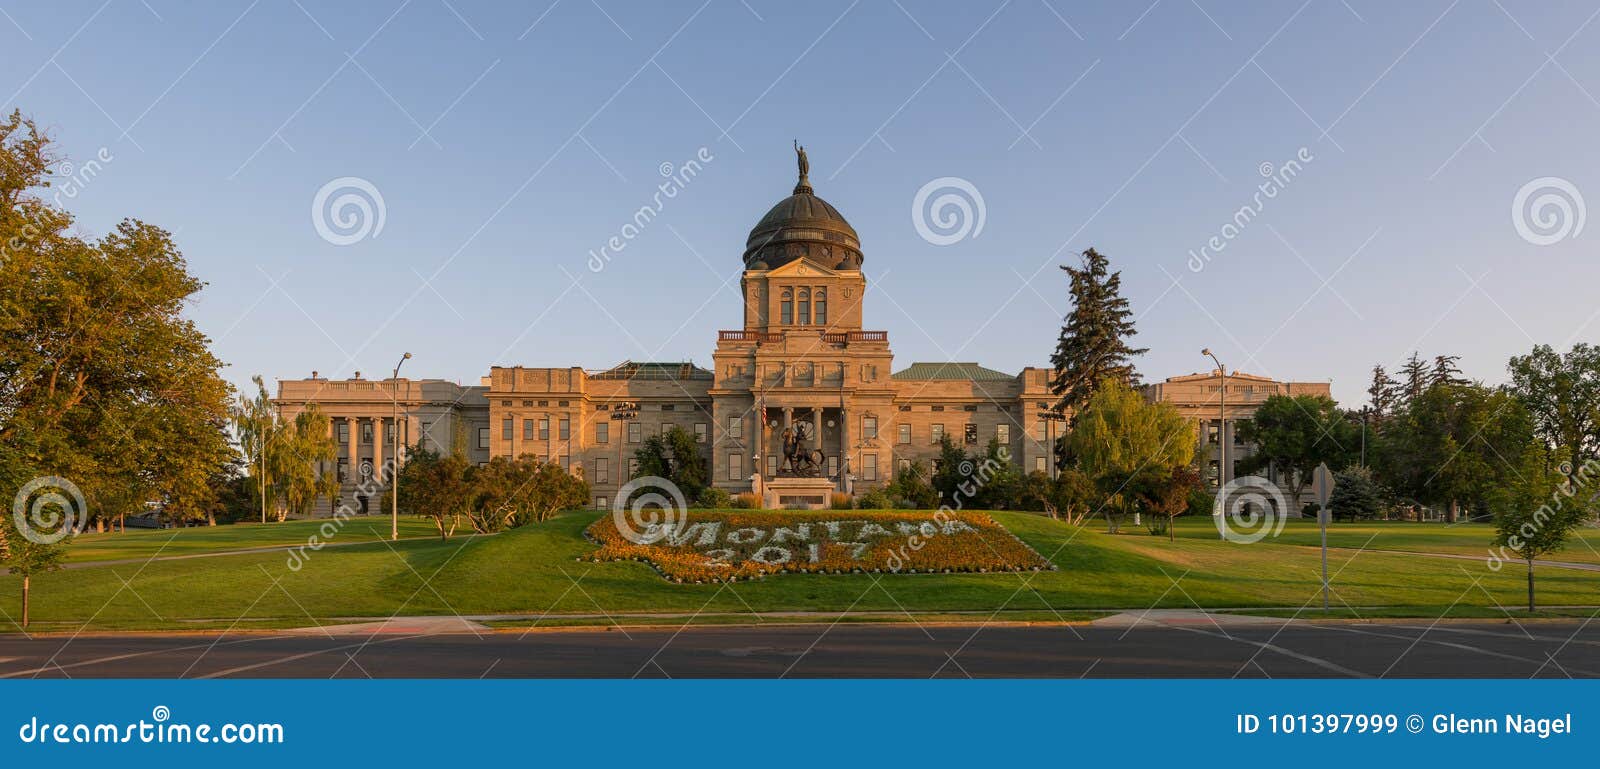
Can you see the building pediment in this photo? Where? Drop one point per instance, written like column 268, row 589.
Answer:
column 802, row 267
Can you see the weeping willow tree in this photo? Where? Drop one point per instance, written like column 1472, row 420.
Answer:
column 300, row 462
column 1124, row 443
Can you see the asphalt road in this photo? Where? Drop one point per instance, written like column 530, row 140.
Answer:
column 1448, row 649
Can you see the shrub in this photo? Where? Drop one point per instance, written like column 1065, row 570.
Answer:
column 715, row 498
column 746, row 501
column 840, row 501
column 876, row 499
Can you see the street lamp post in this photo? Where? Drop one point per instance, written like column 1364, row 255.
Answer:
column 1222, row 420
column 394, row 454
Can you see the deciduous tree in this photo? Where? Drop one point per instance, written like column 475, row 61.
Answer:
column 1295, row 433
column 1122, row 441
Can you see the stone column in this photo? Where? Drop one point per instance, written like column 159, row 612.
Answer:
column 377, row 449
column 761, row 446
column 816, row 437
column 788, row 424
column 353, row 457
column 844, row 451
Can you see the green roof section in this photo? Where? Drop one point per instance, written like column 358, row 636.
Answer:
column 653, row 370
column 970, row 372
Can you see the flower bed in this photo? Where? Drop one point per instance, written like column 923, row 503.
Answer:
column 701, row 546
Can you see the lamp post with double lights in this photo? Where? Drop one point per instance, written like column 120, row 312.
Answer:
column 394, row 454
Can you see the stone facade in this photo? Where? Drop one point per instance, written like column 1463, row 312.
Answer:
column 1216, row 414
column 801, row 361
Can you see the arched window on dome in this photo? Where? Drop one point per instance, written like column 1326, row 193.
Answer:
column 820, row 306
column 805, row 306
column 786, row 308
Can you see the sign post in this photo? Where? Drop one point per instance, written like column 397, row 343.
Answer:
column 1322, row 481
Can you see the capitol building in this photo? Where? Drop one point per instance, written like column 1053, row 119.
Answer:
column 803, row 360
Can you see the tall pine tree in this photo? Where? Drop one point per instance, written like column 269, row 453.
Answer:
column 1445, row 371
column 1415, row 376
column 1093, row 344
column 1381, row 394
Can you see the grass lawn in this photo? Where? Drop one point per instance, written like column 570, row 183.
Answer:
column 147, row 543
column 1460, row 539
column 533, row 570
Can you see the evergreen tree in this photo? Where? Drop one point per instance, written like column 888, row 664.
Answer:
column 1414, row 378
column 1093, row 346
column 1446, row 372
column 1381, row 393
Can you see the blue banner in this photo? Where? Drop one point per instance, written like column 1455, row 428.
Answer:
column 834, row 723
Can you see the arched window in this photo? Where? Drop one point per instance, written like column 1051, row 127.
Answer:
column 786, row 308
column 821, row 307
column 805, row 306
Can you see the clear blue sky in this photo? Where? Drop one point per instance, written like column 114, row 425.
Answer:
column 546, row 125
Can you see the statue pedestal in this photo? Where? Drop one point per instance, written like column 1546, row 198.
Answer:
column 783, row 493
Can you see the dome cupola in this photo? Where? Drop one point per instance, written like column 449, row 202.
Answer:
column 803, row 226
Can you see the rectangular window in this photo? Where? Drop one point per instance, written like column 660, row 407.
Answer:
column 527, row 429
column 805, row 311
column 544, row 428
column 938, row 433
column 786, row 312
column 1212, row 470
column 599, row 503
column 904, row 466
column 366, row 432
column 1211, row 432
column 344, row 470
column 735, row 467
column 602, row 469
column 564, row 429
column 633, row 466
column 344, row 432
column 566, row 462
column 505, row 429
column 700, row 429
column 635, row 432
column 869, row 467
column 602, row 432
column 772, row 465
column 833, row 466
column 1038, row 464
column 822, row 310
column 971, row 434
column 869, row 427
column 483, row 437
column 905, row 433
column 736, row 426
column 1002, row 433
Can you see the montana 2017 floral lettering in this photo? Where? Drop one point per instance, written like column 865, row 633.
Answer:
column 708, row 546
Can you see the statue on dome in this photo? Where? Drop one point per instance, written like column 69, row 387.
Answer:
column 800, row 157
